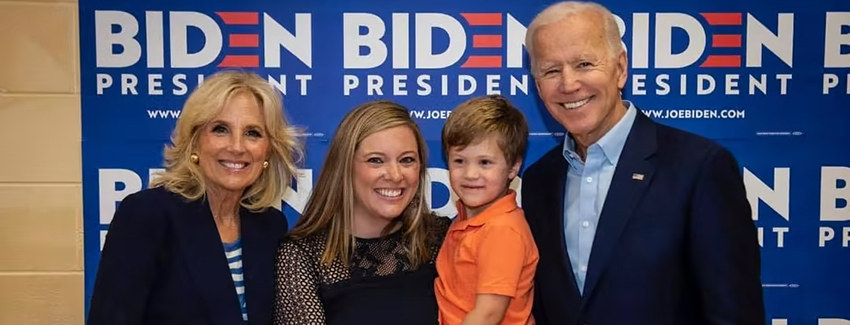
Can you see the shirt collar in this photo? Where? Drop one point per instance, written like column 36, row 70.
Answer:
column 570, row 153
column 612, row 142
column 505, row 204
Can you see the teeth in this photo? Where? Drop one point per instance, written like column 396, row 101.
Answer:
column 389, row 193
column 233, row 165
column 577, row 104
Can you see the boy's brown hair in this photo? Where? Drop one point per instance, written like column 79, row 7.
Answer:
column 480, row 117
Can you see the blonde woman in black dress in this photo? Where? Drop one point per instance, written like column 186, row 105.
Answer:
column 364, row 250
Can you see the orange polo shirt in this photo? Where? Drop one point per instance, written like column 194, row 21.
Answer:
column 492, row 253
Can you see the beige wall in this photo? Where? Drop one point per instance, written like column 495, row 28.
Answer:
column 41, row 229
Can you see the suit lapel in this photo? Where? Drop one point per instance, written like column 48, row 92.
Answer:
column 207, row 266
column 632, row 176
column 257, row 265
column 555, row 201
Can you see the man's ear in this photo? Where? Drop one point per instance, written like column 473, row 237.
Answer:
column 622, row 70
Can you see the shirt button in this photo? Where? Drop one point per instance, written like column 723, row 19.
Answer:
column 590, row 179
column 585, row 223
column 583, row 268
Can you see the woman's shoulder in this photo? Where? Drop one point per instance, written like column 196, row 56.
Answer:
column 146, row 211
column 437, row 231
column 147, row 204
column 440, row 225
column 150, row 197
column 159, row 199
column 311, row 245
column 269, row 218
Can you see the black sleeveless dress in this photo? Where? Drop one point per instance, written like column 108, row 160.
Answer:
column 377, row 287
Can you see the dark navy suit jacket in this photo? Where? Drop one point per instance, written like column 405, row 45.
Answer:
column 163, row 263
column 675, row 243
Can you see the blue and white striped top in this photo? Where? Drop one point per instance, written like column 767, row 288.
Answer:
column 233, row 251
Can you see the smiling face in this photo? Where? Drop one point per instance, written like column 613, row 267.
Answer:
column 386, row 177
column 233, row 146
column 479, row 174
column 578, row 79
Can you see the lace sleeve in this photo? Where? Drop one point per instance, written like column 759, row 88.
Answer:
column 296, row 287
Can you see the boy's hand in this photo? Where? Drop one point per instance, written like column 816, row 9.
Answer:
column 489, row 309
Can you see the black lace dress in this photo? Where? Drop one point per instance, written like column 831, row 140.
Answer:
column 377, row 287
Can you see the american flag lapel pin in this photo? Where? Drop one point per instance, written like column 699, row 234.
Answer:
column 637, row 176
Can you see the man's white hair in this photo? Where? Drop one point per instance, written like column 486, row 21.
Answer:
column 561, row 10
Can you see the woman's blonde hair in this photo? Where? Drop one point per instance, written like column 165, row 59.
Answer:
column 184, row 177
column 331, row 207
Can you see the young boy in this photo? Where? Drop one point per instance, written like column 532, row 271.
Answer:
column 487, row 262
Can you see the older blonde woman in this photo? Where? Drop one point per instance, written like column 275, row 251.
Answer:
column 363, row 252
column 198, row 247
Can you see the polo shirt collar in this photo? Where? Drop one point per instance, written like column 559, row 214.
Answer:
column 503, row 205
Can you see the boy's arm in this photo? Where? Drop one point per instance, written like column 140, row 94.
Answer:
column 489, row 309
column 500, row 259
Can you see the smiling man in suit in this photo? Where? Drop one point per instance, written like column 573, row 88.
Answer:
column 636, row 222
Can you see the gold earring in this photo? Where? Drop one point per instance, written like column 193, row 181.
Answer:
column 194, row 158
column 265, row 164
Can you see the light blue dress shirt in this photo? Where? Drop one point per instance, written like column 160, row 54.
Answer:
column 587, row 187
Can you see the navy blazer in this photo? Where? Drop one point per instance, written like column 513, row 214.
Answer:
column 163, row 263
column 675, row 243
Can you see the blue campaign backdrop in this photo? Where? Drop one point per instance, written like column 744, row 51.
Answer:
column 770, row 80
